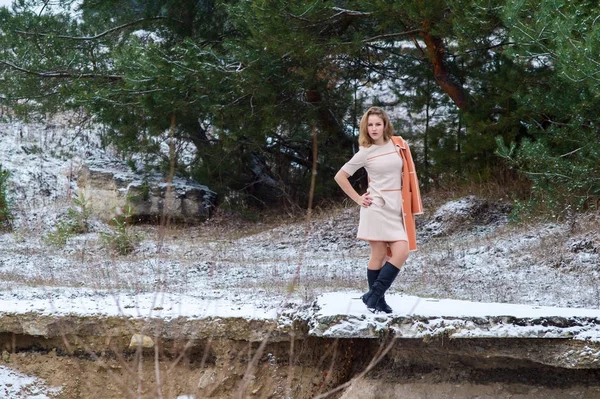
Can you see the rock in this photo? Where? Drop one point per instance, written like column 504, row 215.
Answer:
column 111, row 188
column 583, row 245
column 138, row 340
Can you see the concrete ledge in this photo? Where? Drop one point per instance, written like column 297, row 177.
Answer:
column 343, row 315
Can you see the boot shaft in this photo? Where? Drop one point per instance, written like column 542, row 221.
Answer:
column 386, row 277
column 372, row 276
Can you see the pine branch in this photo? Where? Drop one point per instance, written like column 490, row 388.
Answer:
column 490, row 47
column 393, row 51
column 60, row 75
column 98, row 36
column 547, row 174
column 391, row 35
column 31, row 97
column 332, row 19
column 418, row 46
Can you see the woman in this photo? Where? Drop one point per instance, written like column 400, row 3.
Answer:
column 389, row 204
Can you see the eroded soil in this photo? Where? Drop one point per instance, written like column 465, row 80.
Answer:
column 308, row 368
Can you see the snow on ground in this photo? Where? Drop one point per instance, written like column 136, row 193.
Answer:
column 483, row 259
column 227, row 269
column 61, row 301
column 335, row 303
column 14, row 385
column 417, row 317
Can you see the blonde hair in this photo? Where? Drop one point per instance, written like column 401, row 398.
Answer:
column 364, row 140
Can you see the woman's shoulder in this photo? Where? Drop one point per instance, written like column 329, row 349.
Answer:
column 399, row 141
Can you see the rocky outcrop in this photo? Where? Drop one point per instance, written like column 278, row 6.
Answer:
column 110, row 189
column 463, row 215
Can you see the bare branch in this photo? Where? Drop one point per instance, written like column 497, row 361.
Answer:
column 143, row 92
column 43, row 7
column 570, row 153
column 297, row 17
column 352, row 13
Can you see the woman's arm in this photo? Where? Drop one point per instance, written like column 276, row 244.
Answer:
column 341, row 178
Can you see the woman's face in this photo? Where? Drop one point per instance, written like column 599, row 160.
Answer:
column 375, row 127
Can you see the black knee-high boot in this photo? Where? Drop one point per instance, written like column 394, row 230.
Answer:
column 371, row 278
column 386, row 277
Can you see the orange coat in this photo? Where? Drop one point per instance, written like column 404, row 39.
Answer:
column 411, row 196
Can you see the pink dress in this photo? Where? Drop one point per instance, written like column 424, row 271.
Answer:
column 382, row 221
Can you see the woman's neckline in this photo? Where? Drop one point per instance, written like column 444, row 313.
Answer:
column 381, row 145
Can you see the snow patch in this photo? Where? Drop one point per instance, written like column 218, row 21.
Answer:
column 15, row 385
column 342, row 314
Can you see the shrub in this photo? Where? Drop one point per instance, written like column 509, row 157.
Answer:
column 121, row 240
column 79, row 215
column 76, row 222
column 563, row 168
column 5, row 213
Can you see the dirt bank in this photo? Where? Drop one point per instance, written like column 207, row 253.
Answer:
column 299, row 368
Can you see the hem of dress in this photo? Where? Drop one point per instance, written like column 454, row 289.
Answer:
column 371, row 239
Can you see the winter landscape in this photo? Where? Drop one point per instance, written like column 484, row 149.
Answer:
column 170, row 226
column 472, row 264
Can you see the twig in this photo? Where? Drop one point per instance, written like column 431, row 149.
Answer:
column 570, row 153
column 352, row 13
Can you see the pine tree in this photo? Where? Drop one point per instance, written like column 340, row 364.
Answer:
column 561, row 153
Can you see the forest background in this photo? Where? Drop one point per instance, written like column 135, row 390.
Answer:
column 495, row 93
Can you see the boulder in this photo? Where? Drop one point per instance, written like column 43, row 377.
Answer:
column 111, row 188
column 141, row 341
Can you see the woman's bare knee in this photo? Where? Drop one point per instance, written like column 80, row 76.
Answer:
column 400, row 253
column 378, row 254
column 376, row 262
column 398, row 261
column 378, row 259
